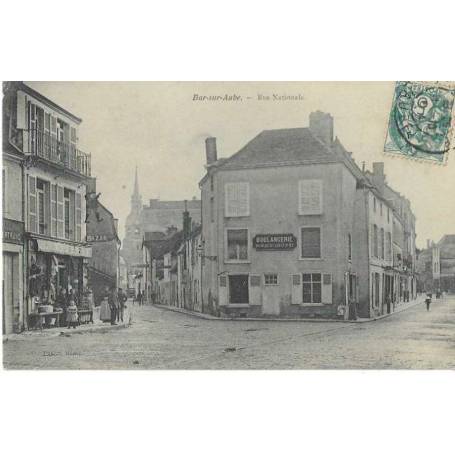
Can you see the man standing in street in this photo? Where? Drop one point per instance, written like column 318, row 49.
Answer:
column 121, row 303
column 113, row 305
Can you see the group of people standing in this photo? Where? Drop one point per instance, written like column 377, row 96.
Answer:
column 113, row 305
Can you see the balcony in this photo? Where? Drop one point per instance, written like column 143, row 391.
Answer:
column 48, row 147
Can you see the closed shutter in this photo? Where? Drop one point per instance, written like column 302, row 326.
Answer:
column 21, row 111
column 327, row 288
column 78, row 216
column 255, row 290
column 310, row 197
column 53, row 145
column 222, row 290
column 32, row 128
column 296, row 287
column 72, row 215
column 53, row 210
column 60, row 213
column 237, row 198
column 47, row 134
column 47, row 208
column 32, row 224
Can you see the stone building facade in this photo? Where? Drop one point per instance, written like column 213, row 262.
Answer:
column 52, row 174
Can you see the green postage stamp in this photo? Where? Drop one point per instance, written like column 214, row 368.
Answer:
column 421, row 120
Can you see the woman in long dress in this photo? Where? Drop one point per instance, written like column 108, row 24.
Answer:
column 105, row 311
column 71, row 314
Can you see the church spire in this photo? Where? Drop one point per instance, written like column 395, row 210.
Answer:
column 136, row 200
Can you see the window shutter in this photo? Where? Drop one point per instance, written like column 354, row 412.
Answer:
column 72, row 216
column 78, row 216
column 296, row 287
column 32, row 128
column 54, row 210
column 222, row 290
column 53, row 145
column 32, row 225
column 21, row 109
column 60, row 213
column 327, row 288
column 310, row 197
column 237, row 199
column 255, row 290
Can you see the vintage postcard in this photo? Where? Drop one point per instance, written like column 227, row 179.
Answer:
column 228, row 225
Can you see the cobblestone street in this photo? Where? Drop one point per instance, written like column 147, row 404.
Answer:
column 162, row 339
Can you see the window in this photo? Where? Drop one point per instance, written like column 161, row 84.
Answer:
column 374, row 204
column 237, row 244
column 68, row 207
column 375, row 241
column 388, row 215
column 271, row 279
column 311, row 242
column 382, row 242
column 349, row 247
column 311, row 288
column 310, row 197
column 237, row 199
column 380, row 208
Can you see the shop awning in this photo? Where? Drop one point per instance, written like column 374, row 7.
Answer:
column 64, row 249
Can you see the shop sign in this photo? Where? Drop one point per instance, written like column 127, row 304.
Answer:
column 274, row 242
column 13, row 231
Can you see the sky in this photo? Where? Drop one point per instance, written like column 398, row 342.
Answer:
column 161, row 128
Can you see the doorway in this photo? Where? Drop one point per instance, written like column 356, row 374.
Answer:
column 238, row 289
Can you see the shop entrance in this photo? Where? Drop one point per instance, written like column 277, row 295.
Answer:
column 10, row 287
column 238, row 289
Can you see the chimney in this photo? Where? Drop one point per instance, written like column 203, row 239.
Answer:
column 428, row 243
column 321, row 125
column 378, row 176
column 91, row 185
column 115, row 220
column 210, row 150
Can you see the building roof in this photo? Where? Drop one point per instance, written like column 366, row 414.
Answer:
column 161, row 246
column 280, row 147
column 45, row 100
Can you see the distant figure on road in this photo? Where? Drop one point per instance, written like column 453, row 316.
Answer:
column 122, row 298
column 428, row 301
column 113, row 305
column 105, row 312
column 139, row 298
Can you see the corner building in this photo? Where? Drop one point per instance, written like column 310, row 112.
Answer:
column 282, row 233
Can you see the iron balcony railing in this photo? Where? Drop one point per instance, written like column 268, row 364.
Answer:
column 48, row 147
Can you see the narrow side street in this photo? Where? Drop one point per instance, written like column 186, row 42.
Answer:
column 161, row 339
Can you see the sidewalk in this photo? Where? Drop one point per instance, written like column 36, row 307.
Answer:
column 97, row 326
column 398, row 309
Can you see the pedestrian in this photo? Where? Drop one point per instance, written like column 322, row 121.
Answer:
column 139, row 298
column 105, row 311
column 71, row 314
column 121, row 296
column 428, row 301
column 113, row 305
